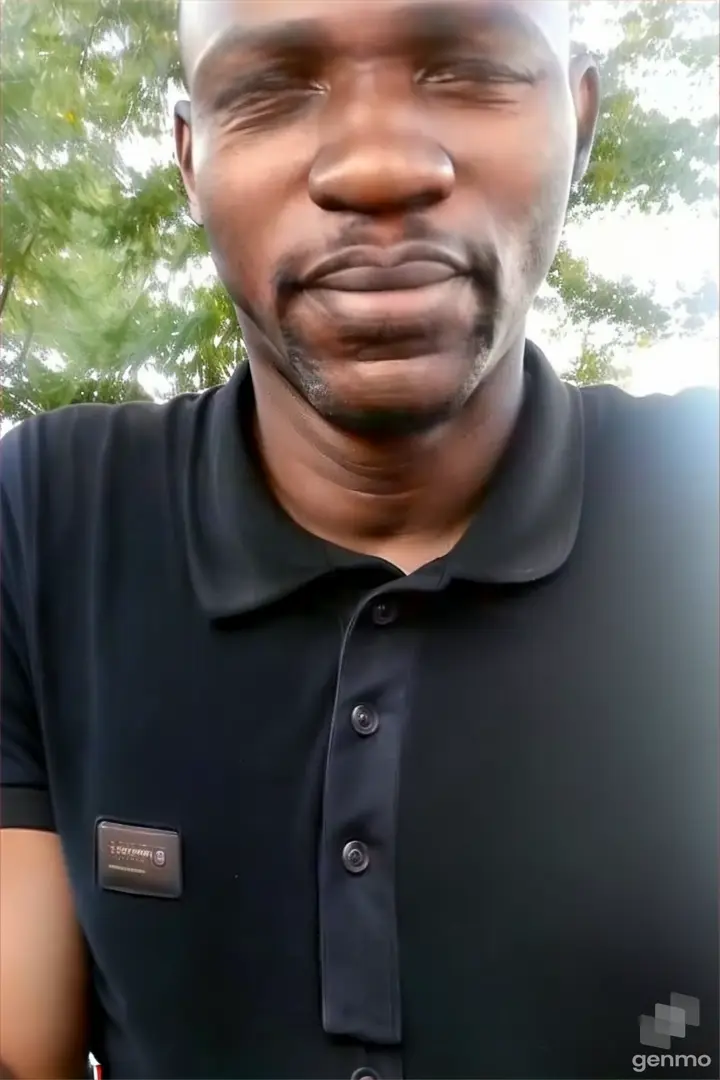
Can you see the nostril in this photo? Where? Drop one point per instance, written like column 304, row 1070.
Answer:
column 422, row 201
column 410, row 204
column 331, row 202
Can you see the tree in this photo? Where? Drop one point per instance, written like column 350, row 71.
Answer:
column 104, row 284
column 643, row 160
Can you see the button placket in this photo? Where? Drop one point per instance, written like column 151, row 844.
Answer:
column 358, row 923
column 364, row 719
column 384, row 612
column 355, row 857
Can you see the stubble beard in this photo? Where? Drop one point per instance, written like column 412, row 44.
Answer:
column 308, row 376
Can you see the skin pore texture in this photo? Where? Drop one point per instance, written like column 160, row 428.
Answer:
column 383, row 198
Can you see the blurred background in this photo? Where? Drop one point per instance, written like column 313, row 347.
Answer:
column 106, row 289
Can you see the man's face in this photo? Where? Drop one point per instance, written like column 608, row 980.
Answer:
column 383, row 184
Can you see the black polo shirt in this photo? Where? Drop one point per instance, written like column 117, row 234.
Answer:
column 460, row 823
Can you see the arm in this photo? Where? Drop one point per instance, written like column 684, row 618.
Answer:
column 42, row 962
column 42, row 957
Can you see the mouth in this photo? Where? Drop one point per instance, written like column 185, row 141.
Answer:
column 415, row 311
column 382, row 270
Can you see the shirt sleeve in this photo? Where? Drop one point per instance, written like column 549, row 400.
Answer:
column 24, row 793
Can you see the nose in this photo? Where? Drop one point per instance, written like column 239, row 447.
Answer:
column 371, row 169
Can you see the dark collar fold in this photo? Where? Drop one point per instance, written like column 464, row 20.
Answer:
column 528, row 520
column 244, row 552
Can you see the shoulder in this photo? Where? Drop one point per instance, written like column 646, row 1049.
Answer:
column 652, row 478
column 70, row 456
column 71, row 445
column 69, row 434
column 671, row 437
column 692, row 410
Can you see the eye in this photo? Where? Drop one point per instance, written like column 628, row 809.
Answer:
column 250, row 89
column 438, row 75
column 282, row 81
column 279, row 86
column 477, row 70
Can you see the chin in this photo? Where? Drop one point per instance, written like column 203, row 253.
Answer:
column 391, row 398
column 387, row 383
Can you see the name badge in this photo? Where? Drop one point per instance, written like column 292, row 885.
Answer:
column 138, row 860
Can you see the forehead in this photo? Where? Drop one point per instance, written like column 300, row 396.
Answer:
column 211, row 26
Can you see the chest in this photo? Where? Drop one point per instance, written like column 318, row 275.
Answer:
column 522, row 769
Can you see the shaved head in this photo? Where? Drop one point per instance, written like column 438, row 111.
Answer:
column 200, row 22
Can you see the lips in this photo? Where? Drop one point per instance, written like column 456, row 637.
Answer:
column 409, row 275
column 368, row 269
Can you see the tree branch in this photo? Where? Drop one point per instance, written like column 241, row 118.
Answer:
column 89, row 42
column 9, row 281
column 6, row 289
column 26, row 347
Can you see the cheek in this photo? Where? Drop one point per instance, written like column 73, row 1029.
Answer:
column 522, row 163
column 240, row 202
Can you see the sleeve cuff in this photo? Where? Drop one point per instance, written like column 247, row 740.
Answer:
column 26, row 808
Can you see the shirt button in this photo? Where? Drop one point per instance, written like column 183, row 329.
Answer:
column 384, row 612
column 355, row 857
column 365, row 720
column 365, row 1074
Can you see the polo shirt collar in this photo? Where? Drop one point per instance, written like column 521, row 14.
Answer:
column 528, row 520
column 244, row 552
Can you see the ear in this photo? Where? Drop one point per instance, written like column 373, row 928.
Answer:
column 183, row 152
column 585, row 88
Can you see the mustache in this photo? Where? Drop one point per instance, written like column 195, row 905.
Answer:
column 483, row 263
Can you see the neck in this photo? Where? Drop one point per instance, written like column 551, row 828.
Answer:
column 408, row 500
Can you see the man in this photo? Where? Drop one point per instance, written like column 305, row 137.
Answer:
column 360, row 716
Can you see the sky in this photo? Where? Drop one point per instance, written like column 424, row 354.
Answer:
column 661, row 253
column 665, row 253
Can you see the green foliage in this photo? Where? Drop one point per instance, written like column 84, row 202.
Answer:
column 590, row 298
column 103, row 276
column 643, row 159
column 89, row 244
column 595, row 364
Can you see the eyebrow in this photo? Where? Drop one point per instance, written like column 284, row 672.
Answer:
column 422, row 27
column 280, row 39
